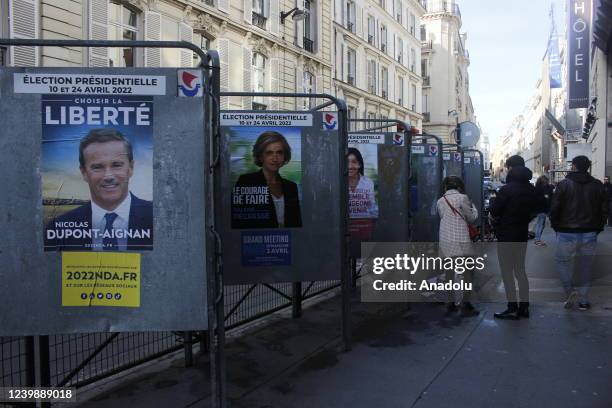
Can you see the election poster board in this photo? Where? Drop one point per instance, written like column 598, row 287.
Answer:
column 276, row 201
column 378, row 193
column 105, row 206
column 425, row 187
column 452, row 160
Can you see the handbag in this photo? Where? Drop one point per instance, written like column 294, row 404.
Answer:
column 472, row 230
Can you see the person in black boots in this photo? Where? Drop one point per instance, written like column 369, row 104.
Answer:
column 515, row 205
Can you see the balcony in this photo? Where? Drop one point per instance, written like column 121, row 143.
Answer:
column 308, row 44
column 444, row 7
column 259, row 106
column 370, row 39
column 351, row 79
column 259, row 20
column 209, row 2
column 383, row 47
column 351, row 27
column 426, row 81
column 399, row 59
column 426, row 117
column 384, row 94
column 399, row 102
column 427, row 45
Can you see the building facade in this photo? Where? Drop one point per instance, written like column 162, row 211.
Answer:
column 445, row 62
column 378, row 58
column 259, row 51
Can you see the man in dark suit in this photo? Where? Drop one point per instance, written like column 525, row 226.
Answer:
column 114, row 219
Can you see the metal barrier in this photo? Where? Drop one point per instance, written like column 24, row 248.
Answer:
column 473, row 175
column 452, row 158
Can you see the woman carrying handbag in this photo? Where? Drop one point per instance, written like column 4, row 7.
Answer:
column 456, row 214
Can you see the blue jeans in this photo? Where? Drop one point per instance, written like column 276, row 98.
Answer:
column 582, row 246
column 539, row 227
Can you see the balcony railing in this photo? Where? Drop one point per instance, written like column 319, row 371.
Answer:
column 426, row 116
column 259, row 20
column 399, row 101
column 259, row 106
column 384, row 94
column 351, row 27
column 351, row 79
column 308, row 44
column 427, row 45
column 383, row 47
column 399, row 59
column 370, row 39
column 209, row 2
column 444, row 7
column 426, row 81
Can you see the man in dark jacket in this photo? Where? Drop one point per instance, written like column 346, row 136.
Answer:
column 515, row 205
column 578, row 212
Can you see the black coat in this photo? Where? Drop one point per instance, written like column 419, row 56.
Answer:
column 545, row 192
column 580, row 204
column 263, row 215
column 515, row 205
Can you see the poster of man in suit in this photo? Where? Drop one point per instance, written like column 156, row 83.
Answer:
column 97, row 173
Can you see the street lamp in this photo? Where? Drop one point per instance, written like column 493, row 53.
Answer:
column 297, row 15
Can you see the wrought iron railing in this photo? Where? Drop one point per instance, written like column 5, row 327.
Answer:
column 259, row 20
column 308, row 44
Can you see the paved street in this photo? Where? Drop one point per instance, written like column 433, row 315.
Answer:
column 403, row 356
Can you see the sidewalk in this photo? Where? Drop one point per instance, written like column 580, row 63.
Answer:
column 403, row 356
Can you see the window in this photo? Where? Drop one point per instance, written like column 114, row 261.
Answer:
column 350, row 16
column 398, row 10
column 400, row 50
column 383, row 4
column 259, row 14
column 371, row 30
column 372, row 76
column 4, row 32
column 413, row 97
column 412, row 59
column 258, row 80
column 122, row 25
column 309, row 87
column 384, row 82
column 383, row 38
column 309, row 27
column 412, row 24
column 351, row 58
column 423, row 32
column 203, row 42
column 400, row 90
column 352, row 114
column 425, row 106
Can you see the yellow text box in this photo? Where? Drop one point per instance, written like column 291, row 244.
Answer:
column 101, row 279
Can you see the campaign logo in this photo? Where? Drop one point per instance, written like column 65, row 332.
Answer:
column 189, row 83
column 398, row 139
column 457, row 156
column 433, row 150
column 330, row 121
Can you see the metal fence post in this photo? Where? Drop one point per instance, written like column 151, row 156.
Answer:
column 188, row 348
column 296, row 300
column 44, row 365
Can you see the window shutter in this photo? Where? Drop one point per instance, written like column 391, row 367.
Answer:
column 266, row 8
column 186, row 34
column 359, row 28
column 318, row 85
column 344, row 16
column 223, row 5
column 274, row 17
column 343, row 63
column 299, row 86
column 152, row 33
column 247, row 73
column 98, row 30
column 299, row 33
column 23, row 24
column 224, row 62
column 247, row 11
column 338, row 4
column 274, row 82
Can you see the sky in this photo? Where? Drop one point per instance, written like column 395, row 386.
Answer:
column 506, row 41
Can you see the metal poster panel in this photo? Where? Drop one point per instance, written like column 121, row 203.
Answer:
column 105, row 208
column 279, row 196
column 473, row 179
column 579, row 52
column 451, row 162
column 378, row 193
column 425, row 183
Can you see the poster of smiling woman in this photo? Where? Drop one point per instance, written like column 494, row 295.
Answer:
column 97, row 173
column 266, row 173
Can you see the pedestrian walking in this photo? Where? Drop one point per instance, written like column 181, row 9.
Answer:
column 544, row 191
column 456, row 212
column 578, row 212
column 608, row 188
column 515, row 205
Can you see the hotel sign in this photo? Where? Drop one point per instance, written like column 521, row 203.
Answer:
column 579, row 56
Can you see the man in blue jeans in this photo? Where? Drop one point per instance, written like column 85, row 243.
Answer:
column 578, row 213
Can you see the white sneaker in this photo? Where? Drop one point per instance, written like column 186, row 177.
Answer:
column 571, row 300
